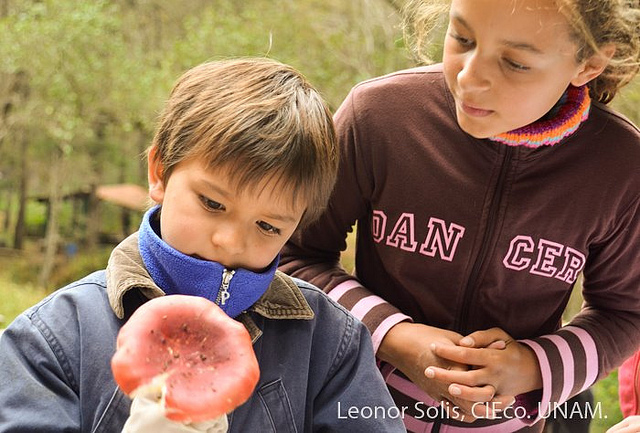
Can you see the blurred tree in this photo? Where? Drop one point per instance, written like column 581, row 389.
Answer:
column 97, row 73
column 13, row 125
column 82, row 80
column 628, row 101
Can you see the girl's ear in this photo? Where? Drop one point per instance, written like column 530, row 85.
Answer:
column 594, row 65
column 156, row 185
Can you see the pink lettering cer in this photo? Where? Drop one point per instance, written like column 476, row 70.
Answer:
column 545, row 258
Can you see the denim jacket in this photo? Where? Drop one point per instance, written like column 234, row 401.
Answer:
column 317, row 369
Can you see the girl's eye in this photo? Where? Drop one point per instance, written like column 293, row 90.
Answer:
column 268, row 228
column 211, row 205
column 461, row 40
column 516, row 66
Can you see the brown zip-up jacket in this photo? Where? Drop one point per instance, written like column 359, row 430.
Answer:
column 467, row 234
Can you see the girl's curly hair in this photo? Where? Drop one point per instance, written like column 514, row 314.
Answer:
column 595, row 24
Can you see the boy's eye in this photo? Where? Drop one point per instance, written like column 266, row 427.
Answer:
column 211, row 204
column 268, row 228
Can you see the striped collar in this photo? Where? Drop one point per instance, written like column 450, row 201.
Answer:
column 562, row 121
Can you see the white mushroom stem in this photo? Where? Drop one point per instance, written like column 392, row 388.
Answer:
column 147, row 414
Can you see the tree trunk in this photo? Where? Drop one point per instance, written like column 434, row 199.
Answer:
column 19, row 233
column 143, row 143
column 52, row 236
column 93, row 219
column 8, row 211
column 396, row 4
column 20, row 91
column 4, row 8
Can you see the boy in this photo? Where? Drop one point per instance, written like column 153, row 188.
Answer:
column 245, row 151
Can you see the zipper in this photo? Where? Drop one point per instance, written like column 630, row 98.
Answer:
column 223, row 291
column 435, row 427
column 489, row 232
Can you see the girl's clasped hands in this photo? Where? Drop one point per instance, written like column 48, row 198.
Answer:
column 485, row 371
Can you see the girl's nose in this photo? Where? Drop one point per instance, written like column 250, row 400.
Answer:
column 475, row 73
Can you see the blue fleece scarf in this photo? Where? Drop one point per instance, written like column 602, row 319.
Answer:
column 178, row 273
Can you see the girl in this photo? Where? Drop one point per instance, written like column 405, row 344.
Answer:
column 482, row 188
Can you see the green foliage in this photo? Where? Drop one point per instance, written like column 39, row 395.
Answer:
column 606, row 392
column 628, row 101
column 36, row 218
column 87, row 79
column 96, row 72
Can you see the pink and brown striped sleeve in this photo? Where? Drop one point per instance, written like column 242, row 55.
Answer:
column 569, row 365
column 377, row 314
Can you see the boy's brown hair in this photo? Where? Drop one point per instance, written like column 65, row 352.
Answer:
column 256, row 118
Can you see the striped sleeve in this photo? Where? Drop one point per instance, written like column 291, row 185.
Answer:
column 569, row 365
column 607, row 329
column 377, row 314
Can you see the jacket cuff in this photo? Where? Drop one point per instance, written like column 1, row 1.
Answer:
column 377, row 314
column 572, row 353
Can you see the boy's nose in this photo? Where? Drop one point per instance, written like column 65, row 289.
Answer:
column 228, row 240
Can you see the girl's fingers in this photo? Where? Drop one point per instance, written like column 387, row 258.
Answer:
column 499, row 345
column 461, row 355
column 486, row 338
column 472, row 393
column 502, row 402
column 470, row 378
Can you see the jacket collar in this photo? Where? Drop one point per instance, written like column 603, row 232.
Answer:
column 125, row 271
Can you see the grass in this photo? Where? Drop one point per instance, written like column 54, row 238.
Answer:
column 18, row 290
column 16, row 298
column 19, row 275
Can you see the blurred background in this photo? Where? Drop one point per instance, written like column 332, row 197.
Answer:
column 82, row 83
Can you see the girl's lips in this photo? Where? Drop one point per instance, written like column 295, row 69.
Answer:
column 473, row 111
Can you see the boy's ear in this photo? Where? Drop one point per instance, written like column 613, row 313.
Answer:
column 594, row 65
column 156, row 185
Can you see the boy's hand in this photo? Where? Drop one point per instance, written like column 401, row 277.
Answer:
column 147, row 416
column 408, row 347
column 496, row 359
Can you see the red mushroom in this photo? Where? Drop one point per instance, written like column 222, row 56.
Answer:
column 202, row 359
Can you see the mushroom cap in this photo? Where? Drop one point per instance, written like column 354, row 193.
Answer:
column 202, row 359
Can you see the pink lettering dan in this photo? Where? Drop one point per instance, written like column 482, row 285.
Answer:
column 441, row 239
